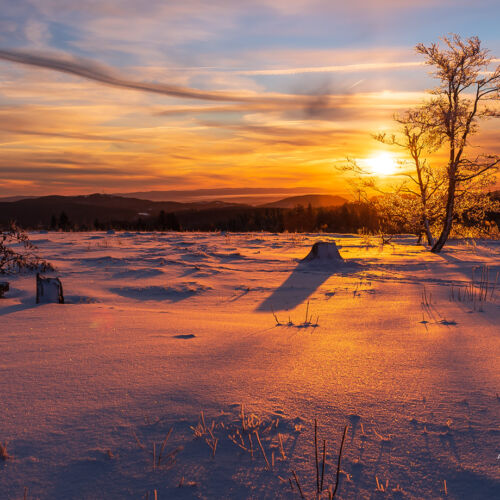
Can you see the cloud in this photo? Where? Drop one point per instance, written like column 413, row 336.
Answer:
column 99, row 73
column 61, row 135
column 50, row 122
column 346, row 68
column 93, row 71
column 37, row 33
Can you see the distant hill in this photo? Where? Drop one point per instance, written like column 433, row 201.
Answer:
column 316, row 201
column 85, row 209
column 246, row 196
column 15, row 198
column 105, row 210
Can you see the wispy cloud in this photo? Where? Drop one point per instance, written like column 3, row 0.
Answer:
column 346, row 68
column 198, row 93
column 102, row 74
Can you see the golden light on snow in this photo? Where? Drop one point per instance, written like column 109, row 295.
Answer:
column 382, row 164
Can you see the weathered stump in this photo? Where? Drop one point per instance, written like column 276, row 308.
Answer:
column 324, row 250
column 4, row 288
column 49, row 290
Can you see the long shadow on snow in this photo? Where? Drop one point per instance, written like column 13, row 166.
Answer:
column 448, row 257
column 160, row 293
column 27, row 301
column 28, row 304
column 305, row 279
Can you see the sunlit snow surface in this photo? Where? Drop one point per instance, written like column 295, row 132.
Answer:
column 158, row 327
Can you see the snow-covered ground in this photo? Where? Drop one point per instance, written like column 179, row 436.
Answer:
column 160, row 327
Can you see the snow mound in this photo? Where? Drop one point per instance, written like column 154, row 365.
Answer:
column 137, row 273
column 324, row 250
column 173, row 293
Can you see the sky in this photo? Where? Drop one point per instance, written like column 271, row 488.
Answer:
column 122, row 96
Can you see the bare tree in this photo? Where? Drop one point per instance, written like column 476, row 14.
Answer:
column 397, row 209
column 17, row 253
column 467, row 93
column 417, row 137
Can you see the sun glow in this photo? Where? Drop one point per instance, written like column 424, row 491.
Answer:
column 382, row 164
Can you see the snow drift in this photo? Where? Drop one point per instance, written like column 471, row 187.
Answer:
column 385, row 338
column 324, row 250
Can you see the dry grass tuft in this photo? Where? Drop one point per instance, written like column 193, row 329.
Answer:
column 308, row 320
column 477, row 292
column 165, row 460
column 331, row 490
column 203, row 431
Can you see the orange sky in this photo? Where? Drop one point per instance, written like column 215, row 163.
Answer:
column 220, row 103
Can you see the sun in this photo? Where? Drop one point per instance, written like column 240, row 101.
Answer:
column 382, row 164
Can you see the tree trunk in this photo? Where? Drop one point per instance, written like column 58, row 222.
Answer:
column 428, row 234
column 450, row 206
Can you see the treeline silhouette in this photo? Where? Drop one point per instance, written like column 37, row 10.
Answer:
column 349, row 217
